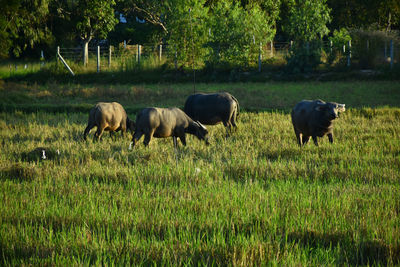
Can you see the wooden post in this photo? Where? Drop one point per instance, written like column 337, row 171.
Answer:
column 138, row 53
column 391, row 54
column 109, row 56
column 160, row 52
column 98, row 59
column 331, row 46
column 272, row 48
column 259, row 58
column 349, row 54
column 176, row 59
column 58, row 53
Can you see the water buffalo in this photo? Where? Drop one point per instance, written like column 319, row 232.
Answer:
column 108, row 117
column 166, row 122
column 314, row 118
column 211, row 109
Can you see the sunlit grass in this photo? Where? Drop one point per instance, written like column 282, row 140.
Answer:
column 255, row 198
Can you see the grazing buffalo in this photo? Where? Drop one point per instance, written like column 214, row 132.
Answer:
column 166, row 122
column 108, row 117
column 314, row 118
column 211, row 109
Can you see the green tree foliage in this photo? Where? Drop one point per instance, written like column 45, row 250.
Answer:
column 23, row 25
column 308, row 20
column 235, row 30
column 187, row 31
column 93, row 18
column 307, row 25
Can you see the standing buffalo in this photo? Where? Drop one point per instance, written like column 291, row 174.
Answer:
column 211, row 109
column 314, row 118
column 165, row 122
column 108, row 117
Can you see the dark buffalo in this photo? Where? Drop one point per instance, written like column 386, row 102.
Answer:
column 108, row 117
column 314, row 118
column 166, row 122
column 211, row 109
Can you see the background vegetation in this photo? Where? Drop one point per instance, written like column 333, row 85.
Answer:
column 205, row 33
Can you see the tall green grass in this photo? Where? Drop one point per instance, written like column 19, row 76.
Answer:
column 255, row 198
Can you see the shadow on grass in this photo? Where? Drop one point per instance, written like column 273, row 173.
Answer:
column 19, row 172
column 352, row 252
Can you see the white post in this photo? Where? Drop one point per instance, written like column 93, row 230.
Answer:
column 349, row 54
column 138, row 53
column 160, row 52
column 58, row 53
column 259, row 58
column 176, row 59
column 64, row 62
column 98, row 59
column 272, row 48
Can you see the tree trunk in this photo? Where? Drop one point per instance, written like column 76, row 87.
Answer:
column 86, row 52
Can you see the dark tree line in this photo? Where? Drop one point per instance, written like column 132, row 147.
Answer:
column 30, row 25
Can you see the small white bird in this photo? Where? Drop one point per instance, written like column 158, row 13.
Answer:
column 43, row 154
column 58, row 152
column 130, row 146
column 197, row 170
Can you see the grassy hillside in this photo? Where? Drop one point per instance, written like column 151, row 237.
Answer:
column 252, row 199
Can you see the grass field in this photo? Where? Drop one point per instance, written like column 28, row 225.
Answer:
column 255, row 198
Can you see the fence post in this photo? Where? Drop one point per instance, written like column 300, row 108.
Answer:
column 176, row 59
column 160, row 52
column 259, row 58
column 272, row 48
column 138, row 53
column 41, row 59
column 391, row 54
column 98, row 59
column 58, row 52
column 349, row 54
column 109, row 56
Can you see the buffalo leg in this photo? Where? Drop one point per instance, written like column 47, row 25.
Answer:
column 136, row 137
column 87, row 130
column 147, row 138
column 304, row 139
column 298, row 137
column 314, row 138
column 183, row 139
column 330, row 137
column 99, row 133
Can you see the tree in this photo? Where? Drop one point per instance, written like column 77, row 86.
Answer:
column 380, row 14
column 22, row 24
column 92, row 18
column 234, row 29
column 307, row 25
column 308, row 20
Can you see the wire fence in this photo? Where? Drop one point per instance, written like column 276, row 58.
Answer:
column 362, row 54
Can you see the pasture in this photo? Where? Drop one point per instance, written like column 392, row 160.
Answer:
column 255, row 198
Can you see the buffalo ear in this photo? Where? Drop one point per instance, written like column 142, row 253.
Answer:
column 319, row 108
